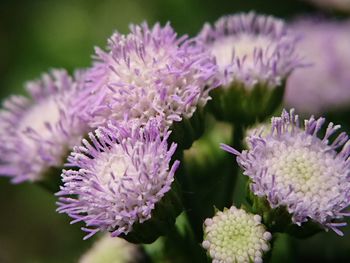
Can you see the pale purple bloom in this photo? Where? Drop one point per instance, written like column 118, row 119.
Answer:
column 293, row 167
column 36, row 133
column 118, row 178
column 325, row 85
column 149, row 73
column 251, row 49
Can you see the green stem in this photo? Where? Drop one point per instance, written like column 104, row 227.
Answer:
column 145, row 257
column 281, row 250
column 232, row 176
column 183, row 247
column 189, row 198
column 267, row 258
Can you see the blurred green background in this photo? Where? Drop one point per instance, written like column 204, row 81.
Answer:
column 40, row 34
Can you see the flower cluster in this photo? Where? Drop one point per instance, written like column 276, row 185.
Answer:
column 324, row 85
column 293, row 167
column 37, row 133
column 122, row 174
column 124, row 125
column 149, row 73
column 235, row 236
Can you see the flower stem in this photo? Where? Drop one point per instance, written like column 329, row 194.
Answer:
column 237, row 138
column 183, row 247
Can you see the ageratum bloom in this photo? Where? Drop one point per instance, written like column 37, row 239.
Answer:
column 324, row 86
column 235, row 236
column 149, row 73
column 251, row 49
column 112, row 250
column 254, row 55
column 294, row 168
column 122, row 175
column 36, row 133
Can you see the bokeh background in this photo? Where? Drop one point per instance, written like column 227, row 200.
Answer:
column 40, row 34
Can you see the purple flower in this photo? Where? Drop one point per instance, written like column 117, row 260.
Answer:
column 251, row 49
column 149, row 73
column 292, row 167
column 36, row 133
column 324, row 86
column 122, row 174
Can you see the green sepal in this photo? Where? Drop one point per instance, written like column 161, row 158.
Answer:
column 188, row 130
column 216, row 209
column 238, row 104
column 279, row 220
column 306, row 230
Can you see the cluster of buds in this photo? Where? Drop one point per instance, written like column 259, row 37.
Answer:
column 236, row 236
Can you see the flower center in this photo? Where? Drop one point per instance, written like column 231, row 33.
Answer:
column 140, row 78
column 312, row 175
column 140, row 71
column 240, row 46
column 38, row 117
column 111, row 166
column 234, row 236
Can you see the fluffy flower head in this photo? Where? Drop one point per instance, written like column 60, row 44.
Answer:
column 149, row 73
column 36, row 133
column 324, row 85
column 122, row 174
column 251, row 49
column 292, row 167
column 235, row 236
